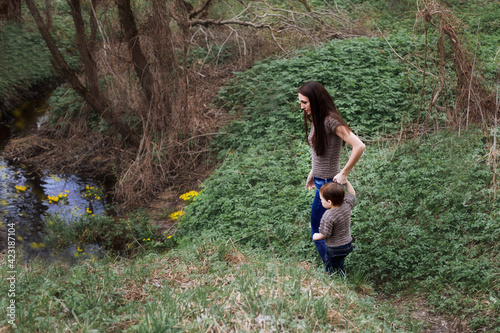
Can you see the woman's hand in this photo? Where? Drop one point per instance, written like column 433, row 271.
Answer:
column 310, row 181
column 340, row 178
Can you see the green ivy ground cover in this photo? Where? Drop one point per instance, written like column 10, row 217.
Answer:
column 426, row 218
column 363, row 76
column 24, row 59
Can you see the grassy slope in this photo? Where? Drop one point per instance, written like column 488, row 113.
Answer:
column 209, row 287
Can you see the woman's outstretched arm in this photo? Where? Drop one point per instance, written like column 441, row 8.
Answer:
column 358, row 147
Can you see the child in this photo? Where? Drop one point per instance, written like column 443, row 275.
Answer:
column 335, row 226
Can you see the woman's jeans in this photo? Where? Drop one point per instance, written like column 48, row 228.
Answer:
column 317, row 211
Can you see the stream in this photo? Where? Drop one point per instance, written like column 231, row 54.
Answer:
column 27, row 198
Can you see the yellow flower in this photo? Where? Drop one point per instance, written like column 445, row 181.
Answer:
column 20, row 188
column 188, row 195
column 176, row 215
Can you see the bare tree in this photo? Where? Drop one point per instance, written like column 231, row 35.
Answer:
column 93, row 97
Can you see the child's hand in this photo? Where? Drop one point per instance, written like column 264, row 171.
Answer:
column 318, row 236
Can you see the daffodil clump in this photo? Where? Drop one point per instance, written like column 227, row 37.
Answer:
column 21, row 188
column 92, row 193
column 79, row 252
column 89, row 211
column 176, row 215
column 188, row 196
column 55, row 199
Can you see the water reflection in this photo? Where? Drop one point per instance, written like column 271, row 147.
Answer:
column 27, row 198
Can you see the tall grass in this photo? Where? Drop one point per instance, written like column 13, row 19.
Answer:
column 205, row 287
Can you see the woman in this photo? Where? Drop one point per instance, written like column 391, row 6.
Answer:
column 327, row 135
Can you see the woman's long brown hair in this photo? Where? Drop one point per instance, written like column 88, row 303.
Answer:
column 322, row 105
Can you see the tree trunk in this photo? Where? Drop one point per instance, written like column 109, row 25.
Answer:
column 48, row 14
column 141, row 65
column 10, row 10
column 93, row 28
column 167, row 64
column 66, row 72
column 89, row 63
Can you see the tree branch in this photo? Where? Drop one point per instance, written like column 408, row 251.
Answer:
column 208, row 22
column 141, row 65
column 197, row 11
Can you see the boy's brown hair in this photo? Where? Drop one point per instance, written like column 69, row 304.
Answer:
column 333, row 192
